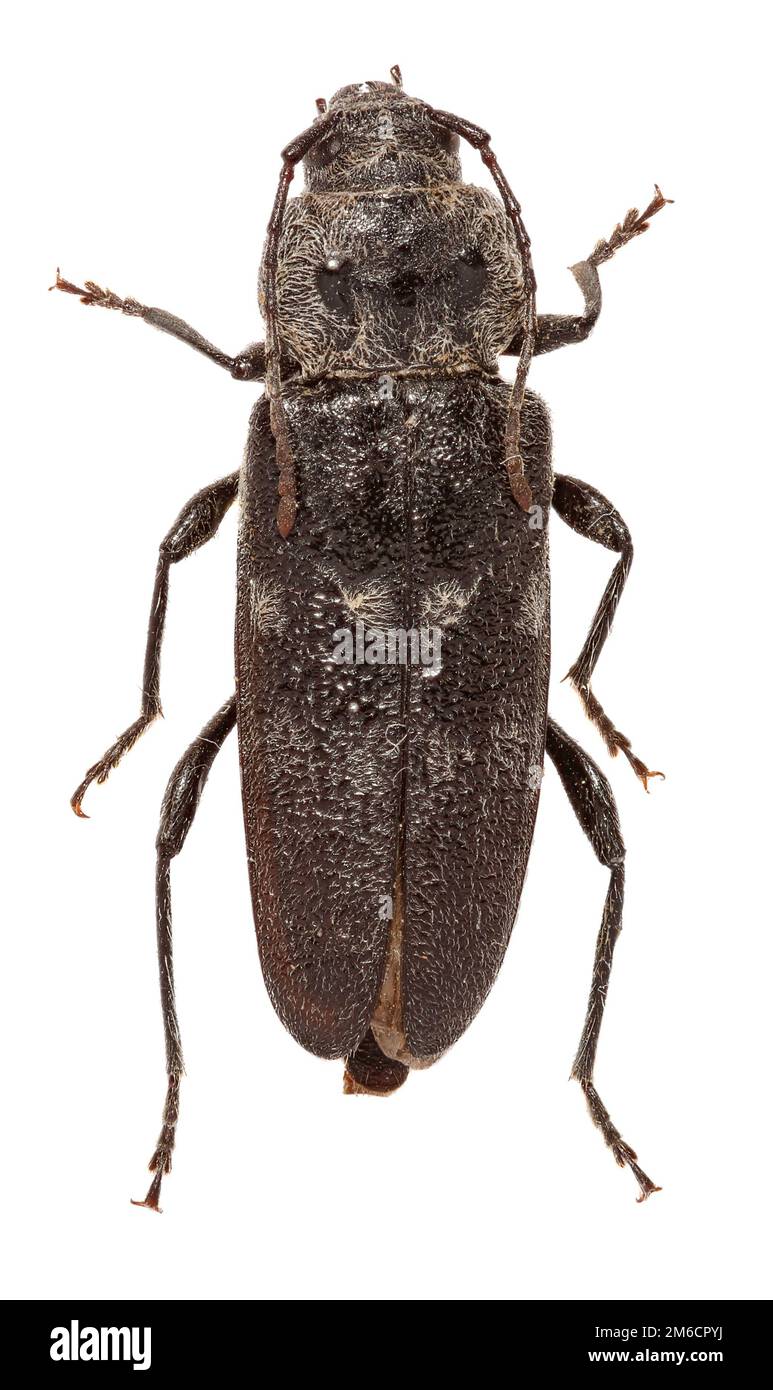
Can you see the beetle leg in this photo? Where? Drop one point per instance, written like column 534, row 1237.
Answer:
column 591, row 515
column 249, row 365
column 558, row 330
column 197, row 523
column 178, row 809
column 594, row 805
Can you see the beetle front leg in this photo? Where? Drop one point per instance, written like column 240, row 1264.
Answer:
column 249, row 365
column 178, row 809
column 197, row 523
column 559, row 330
column 594, row 805
column 590, row 514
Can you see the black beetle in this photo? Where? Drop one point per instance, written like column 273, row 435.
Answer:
column 389, row 802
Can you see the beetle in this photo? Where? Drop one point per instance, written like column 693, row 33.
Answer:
column 393, row 479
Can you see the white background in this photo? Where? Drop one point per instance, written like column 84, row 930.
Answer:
column 142, row 151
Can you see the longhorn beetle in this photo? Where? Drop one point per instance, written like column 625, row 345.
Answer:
column 394, row 480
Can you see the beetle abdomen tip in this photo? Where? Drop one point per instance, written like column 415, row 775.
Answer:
column 369, row 1073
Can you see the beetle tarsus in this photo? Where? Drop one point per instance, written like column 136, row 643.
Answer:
column 161, row 1162
column 632, row 225
column 101, row 770
column 93, row 294
column 65, row 285
column 615, row 741
column 625, row 1156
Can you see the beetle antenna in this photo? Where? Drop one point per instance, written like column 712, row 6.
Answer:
column 287, row 500
column 481, row 141
column 396, row 75
column 292, row 154
column 321, row 105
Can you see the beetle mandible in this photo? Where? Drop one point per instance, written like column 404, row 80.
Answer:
column 394, row 483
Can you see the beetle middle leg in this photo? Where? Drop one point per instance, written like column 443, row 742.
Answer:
column 178, row 809
column 197, row 523
column 594, row 806
column 590, row 514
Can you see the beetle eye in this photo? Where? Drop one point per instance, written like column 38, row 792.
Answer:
column 326, row 151
column 447, row 140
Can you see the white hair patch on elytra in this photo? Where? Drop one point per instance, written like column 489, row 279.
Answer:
column 265, row 598
column 533, row 604
column 372, row 603
column 444, row 603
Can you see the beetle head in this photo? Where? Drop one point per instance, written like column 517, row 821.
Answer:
column 382, row 139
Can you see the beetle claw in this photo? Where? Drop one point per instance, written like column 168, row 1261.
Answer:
column 76, row 800
column 646, row 1184
column 160, row 1164
column 100, row 772
column 153, row 1193
column 642, row 771
column 645, row 776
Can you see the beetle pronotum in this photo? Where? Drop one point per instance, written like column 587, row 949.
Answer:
column 394, row 480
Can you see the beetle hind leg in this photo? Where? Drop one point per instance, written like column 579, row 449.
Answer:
column 177, row 812
column 593, row 803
